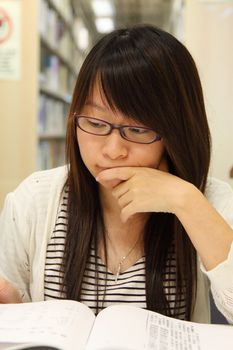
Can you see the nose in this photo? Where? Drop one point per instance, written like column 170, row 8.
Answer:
column 115, row 147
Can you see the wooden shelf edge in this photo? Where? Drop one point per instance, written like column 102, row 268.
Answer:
column 56, row 52
column 65, row 98
column 65, row 20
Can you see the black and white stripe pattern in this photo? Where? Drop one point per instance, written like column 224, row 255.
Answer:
column 129, row 287
column 55, row 250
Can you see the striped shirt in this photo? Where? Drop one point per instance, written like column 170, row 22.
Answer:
column 128, row 288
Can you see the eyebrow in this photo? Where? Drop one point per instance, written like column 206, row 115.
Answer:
column 96, row 106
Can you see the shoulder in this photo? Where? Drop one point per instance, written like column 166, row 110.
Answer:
column 218, row 189
column 220, row 195
column 43, row 181
column 38, row 189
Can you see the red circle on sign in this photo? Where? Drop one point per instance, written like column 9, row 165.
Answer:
column 6, row 26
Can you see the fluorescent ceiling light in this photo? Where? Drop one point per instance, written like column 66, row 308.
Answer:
column 83, row 38
column 102, row 8
column 81, row 34
column 104, row 24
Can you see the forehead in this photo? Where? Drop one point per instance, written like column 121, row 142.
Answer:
column 98, row 106
column 97, row 99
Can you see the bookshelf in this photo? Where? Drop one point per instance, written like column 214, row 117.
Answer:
column 34, row 106
column 60, row 60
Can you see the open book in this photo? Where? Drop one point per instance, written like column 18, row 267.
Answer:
column 68, row 325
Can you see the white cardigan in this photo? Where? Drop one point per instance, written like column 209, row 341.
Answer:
column 28, row 220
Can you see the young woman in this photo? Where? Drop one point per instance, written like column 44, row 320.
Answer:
column 132, row 218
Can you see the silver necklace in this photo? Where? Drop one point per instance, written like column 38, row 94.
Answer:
column 121, row 262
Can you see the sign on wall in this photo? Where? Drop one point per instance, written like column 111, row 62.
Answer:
column 10, row 38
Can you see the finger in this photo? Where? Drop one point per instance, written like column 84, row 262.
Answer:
column 120, row 173
column 120, row 189
column 110, row 184
column 124, row 200
column 128, row 211
column 111, row 178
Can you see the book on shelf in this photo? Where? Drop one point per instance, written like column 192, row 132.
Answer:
column 71, row 325
column 51, row 154
column 55, row 23
column 53, row 74
column 52, row 116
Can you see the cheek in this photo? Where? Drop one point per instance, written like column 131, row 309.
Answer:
column 88, row 149
column 152, row 155
column 84, row 146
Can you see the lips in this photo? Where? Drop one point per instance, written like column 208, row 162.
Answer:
column 109, row 167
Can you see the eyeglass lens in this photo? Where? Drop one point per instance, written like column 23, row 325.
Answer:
column 131, row 133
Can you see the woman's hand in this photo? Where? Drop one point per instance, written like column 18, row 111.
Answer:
column 8, row 293
column 140, row 189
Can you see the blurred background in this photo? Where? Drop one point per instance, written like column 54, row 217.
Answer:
column 43, row 44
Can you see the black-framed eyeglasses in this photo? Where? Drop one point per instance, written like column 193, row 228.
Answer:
column 99, row 127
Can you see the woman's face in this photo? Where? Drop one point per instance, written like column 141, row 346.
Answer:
column 110, row 151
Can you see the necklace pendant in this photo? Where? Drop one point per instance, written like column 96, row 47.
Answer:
column 117, row 273
column 116, row 277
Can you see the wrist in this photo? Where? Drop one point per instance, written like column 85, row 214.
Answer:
column 187, row 196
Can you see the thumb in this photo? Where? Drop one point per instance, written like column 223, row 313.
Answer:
column 8, row 293
column 112, row 177
column 110, row 184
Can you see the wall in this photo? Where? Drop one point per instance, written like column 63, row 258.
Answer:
column 208, row 36
column 18, row 100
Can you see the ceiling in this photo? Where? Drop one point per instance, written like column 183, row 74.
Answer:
column 129, row 12
column 147, row 11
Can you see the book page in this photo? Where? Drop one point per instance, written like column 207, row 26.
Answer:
column 129, row 328
column 64, row 324
column 215, row 337
column 119, row 327
column 171, row 334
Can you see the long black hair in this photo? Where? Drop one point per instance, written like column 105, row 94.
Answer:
column 149, row 76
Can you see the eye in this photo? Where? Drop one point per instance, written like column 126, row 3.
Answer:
column 96, row 124
column 135, row 130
